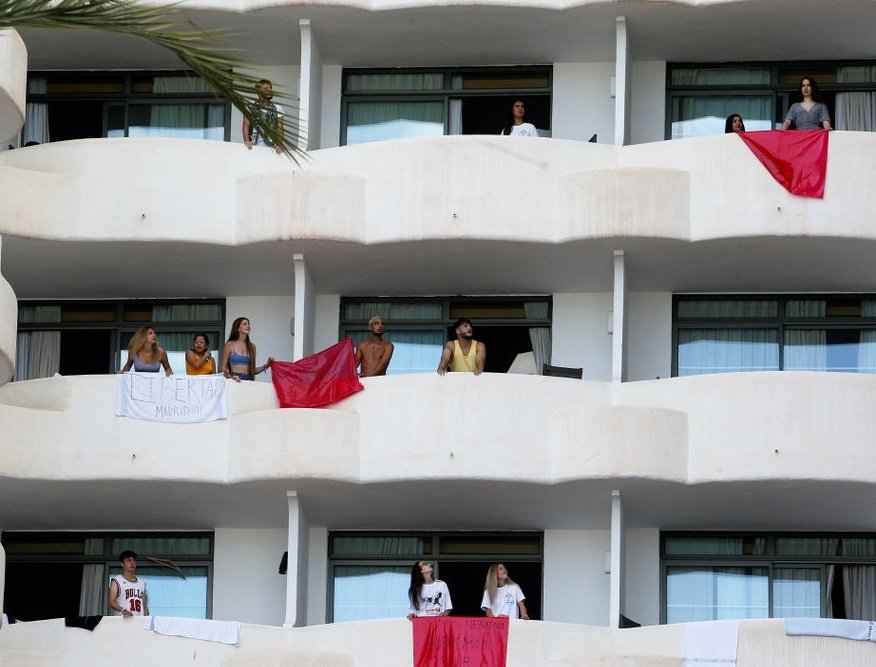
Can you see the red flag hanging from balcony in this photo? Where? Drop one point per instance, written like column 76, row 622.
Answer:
column 797, row 159
column 449, row 641
column 320, row 379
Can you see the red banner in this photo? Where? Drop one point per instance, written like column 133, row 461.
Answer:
column 320, row 379
column 445, row 641
column 797, row 159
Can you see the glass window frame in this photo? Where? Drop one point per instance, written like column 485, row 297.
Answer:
column 443, row 95
column 434, row 554
column 780, row 323
column 771, row 560
column 120, row 327
column 128, row 97
column 782, row 92
column 109, row 559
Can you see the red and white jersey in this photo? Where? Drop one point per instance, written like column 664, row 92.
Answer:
column 132, row 595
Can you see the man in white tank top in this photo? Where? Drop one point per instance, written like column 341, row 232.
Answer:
column 127, row 592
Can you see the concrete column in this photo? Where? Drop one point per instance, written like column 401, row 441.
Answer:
column 305, row 309
column 310, row 92
column 616, row 583
column 296, row 569
column 619, row 320
column 623, row 80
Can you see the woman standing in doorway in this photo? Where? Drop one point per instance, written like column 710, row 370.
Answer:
column 517, row 125
column 811, row 113
column 144, row 354
column 428, row 596
column 239, row 353
column 502, row 597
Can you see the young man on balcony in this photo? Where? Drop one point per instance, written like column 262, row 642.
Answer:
column 464, row 354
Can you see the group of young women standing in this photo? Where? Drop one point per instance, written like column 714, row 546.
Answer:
column 238, row 361
column 431, row 597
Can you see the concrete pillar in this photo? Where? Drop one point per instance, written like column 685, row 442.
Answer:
column 296, row 568
column 619, row 320
column 310, row 92
column 616, row 583
column 623, row 78
column 305, row 309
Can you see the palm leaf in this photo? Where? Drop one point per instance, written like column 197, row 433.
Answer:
column 206, row 52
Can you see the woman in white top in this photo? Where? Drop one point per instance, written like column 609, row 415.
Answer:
column 517, row 125
column 502, row 597
column 428, row 596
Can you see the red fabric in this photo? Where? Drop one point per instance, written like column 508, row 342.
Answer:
column 320, row 379
column 797, row 159
column 445, row 641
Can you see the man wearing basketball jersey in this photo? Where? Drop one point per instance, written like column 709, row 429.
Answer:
column 464, row 354
column 127, row 592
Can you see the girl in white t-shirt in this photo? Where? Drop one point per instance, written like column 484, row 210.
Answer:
column 502, row 597
column 428, row 596
column 517, row 125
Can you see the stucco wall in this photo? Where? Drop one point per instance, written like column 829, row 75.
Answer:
column 271, row 320
column 246, row 584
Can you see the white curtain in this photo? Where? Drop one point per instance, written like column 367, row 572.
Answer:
column 805, row 350
column 859, row 581
column 187, row 312
column 796, row 592
column 22, row 354
column 867, row 347
column 36, row 115
column 455, row 116
column 44, row 355
column 856, row 111
column 194, row 121
column 393, row 310
column 716, row 593
column 703, row 351
column 365, row 592
column 540, row 337
column 92, row 594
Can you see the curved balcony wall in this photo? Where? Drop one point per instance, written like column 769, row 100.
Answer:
column 389, row 643
column 13, row 82
column 443, row 188
column 524, row 429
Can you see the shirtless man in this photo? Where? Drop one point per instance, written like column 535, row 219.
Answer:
column 464, row 354
column 374, row 354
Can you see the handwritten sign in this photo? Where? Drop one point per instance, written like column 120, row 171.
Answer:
column 178, row 399
column 445, row 641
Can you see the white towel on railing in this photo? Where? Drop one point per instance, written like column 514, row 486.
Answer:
column 710, row 644
column 831, row 627
column 224, row 632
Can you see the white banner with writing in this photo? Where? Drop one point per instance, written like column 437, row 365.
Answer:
column 178, row 399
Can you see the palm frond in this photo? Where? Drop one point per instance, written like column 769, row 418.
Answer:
column 206, row 52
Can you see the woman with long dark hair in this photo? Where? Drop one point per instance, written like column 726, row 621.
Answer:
column 734, row 123
column 239, row 353
column 427, row 596
column 811, row 113
column 502, row 597
column 518, row 125
column 199, row 359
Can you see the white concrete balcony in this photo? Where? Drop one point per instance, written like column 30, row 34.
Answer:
column 708, row 450
column 389, row 644
column 697, row 214
column 13, row 82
